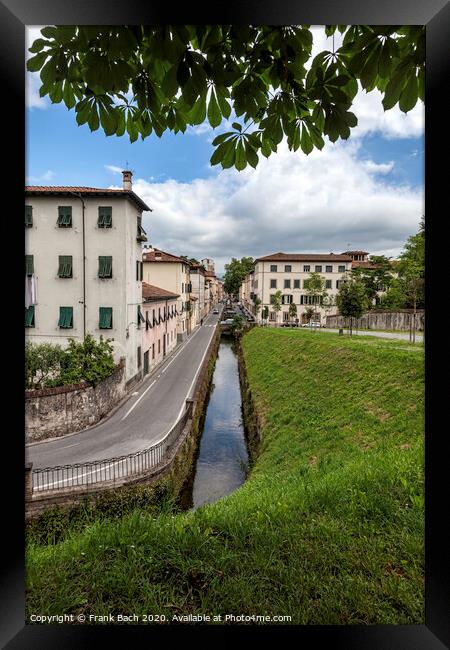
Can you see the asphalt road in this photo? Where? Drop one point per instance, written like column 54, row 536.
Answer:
column 142, row 419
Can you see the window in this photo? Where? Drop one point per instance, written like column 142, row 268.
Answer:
column 285, row 316
column 147, row 320
column 329, row 268
column 29, row 316
column 287, row 268
column 104, row 217
column 271, row 297
column 159, row 346
column 273, row 284
column 272, row 316
column 65, row 216
column 296, row 284
column 140, row 318
column 65, row 317
column 341, row 268
column 328, row 284
column 29, row 264
column 338, row 283
column 65, row 266
column 28, row 216
column 153, row 350
column 305, row 283
column 140, row 231
column 105, row 266
column 306, row 268
column 287, row 284
column 105, row 318
column 182, row 287
column 318, row 268
column 286, row 299
column 139, row 357
column 273, row 268
column 139, row 270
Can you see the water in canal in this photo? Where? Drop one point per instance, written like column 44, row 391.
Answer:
column 222, row 458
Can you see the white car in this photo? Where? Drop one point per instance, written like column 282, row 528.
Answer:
column 215, row 311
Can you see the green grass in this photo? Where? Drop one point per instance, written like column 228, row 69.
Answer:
column 327, row 529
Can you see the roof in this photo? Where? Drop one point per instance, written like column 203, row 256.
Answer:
column 304, row 257
column 150, row 256
column 46, row 190
column 359, row 264
column 210, row 274
column 150, row 292
column 355, row 253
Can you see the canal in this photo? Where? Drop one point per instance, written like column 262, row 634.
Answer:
column 221, row 465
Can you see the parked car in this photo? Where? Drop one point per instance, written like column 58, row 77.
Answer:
column 227, row 321
column 215, row 311
column 312, row 323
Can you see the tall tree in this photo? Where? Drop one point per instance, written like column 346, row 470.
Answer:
column 142, row 79
column 352, row 298
column 256, row 305
column 292, row 310
column 315, row 288
column 412, row 273
column 276, row 303
column 235, row 272
column 375, row 279
column 265, row 313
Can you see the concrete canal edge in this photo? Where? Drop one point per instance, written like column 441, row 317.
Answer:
column 252, row 418
column 166, row 479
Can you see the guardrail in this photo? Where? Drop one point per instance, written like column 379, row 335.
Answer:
column 64, row 477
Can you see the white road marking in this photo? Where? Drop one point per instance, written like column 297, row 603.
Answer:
column 138, row 400
column 67, row 446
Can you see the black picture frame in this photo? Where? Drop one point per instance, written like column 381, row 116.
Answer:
column 435, row 14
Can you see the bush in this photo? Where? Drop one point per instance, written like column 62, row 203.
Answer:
column 49, row 365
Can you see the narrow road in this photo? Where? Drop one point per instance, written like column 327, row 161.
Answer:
column 143, row 419
column 383, row 335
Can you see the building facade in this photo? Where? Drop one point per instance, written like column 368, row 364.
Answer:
column 83, row 267
column 198, row 281
column 287, row 272
column 159, row 338
column 171, row 273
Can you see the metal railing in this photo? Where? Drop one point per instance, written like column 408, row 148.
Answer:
column 111, row 469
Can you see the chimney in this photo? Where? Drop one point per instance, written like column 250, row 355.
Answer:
column 127, row 184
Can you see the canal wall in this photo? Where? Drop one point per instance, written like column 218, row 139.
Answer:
column 253, row 418
column 167, row 478
column 401, row 320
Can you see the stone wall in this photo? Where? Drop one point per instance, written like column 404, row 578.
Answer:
column 55, row 412
column 382, row 320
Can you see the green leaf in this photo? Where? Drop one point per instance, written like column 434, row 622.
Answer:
column 305, row 141
column 68, row 95
column 218, row 154
column 409, row 95
column 225, row 107
column 198, row 113
column 108, row 120
column 37, row 46
column 393, row 90
column 230, row 154
column 237, row 126
column 241, row 161
column 266, row 149
column 214, row 114
column 252, row 156
column 93, row 121
column 49, row 32
column 36, row 62
column 220, row 138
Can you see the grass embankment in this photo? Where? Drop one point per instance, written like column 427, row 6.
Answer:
column 327, row 529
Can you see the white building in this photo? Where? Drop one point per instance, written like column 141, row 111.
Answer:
column 84, row 257
column 171, row 273
column 287, row 272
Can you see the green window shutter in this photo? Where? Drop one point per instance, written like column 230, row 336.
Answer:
column 65, row 317
column 104, row 217
column 29, row 264
column 64, row 216
column 105, row 318
column 28, row 215
column 105, row 266
column 65, row 266
column 29, row 316
column 140, row 317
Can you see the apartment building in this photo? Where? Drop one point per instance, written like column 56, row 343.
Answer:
column 171, row 273
column 287, row 272
column 83, row 267
column 159, row 309
column 198, row 281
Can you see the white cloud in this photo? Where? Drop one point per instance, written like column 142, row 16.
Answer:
column 32, row 79
column 114, row 169
column 47, row 176
column 378, row 168
column 290, row 202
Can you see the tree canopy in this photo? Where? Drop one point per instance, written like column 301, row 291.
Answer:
column 235, row 272
column 146, row 79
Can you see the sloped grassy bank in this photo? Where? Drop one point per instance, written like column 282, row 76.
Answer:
column 327, row 529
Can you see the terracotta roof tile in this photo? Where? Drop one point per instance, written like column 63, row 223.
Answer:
column 48, row 190
column 150, row 256
column 304, row 257
column 150, row 292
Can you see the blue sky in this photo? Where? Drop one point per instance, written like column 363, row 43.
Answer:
column 367, row 191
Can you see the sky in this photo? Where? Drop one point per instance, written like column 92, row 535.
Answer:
column 363, row 193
